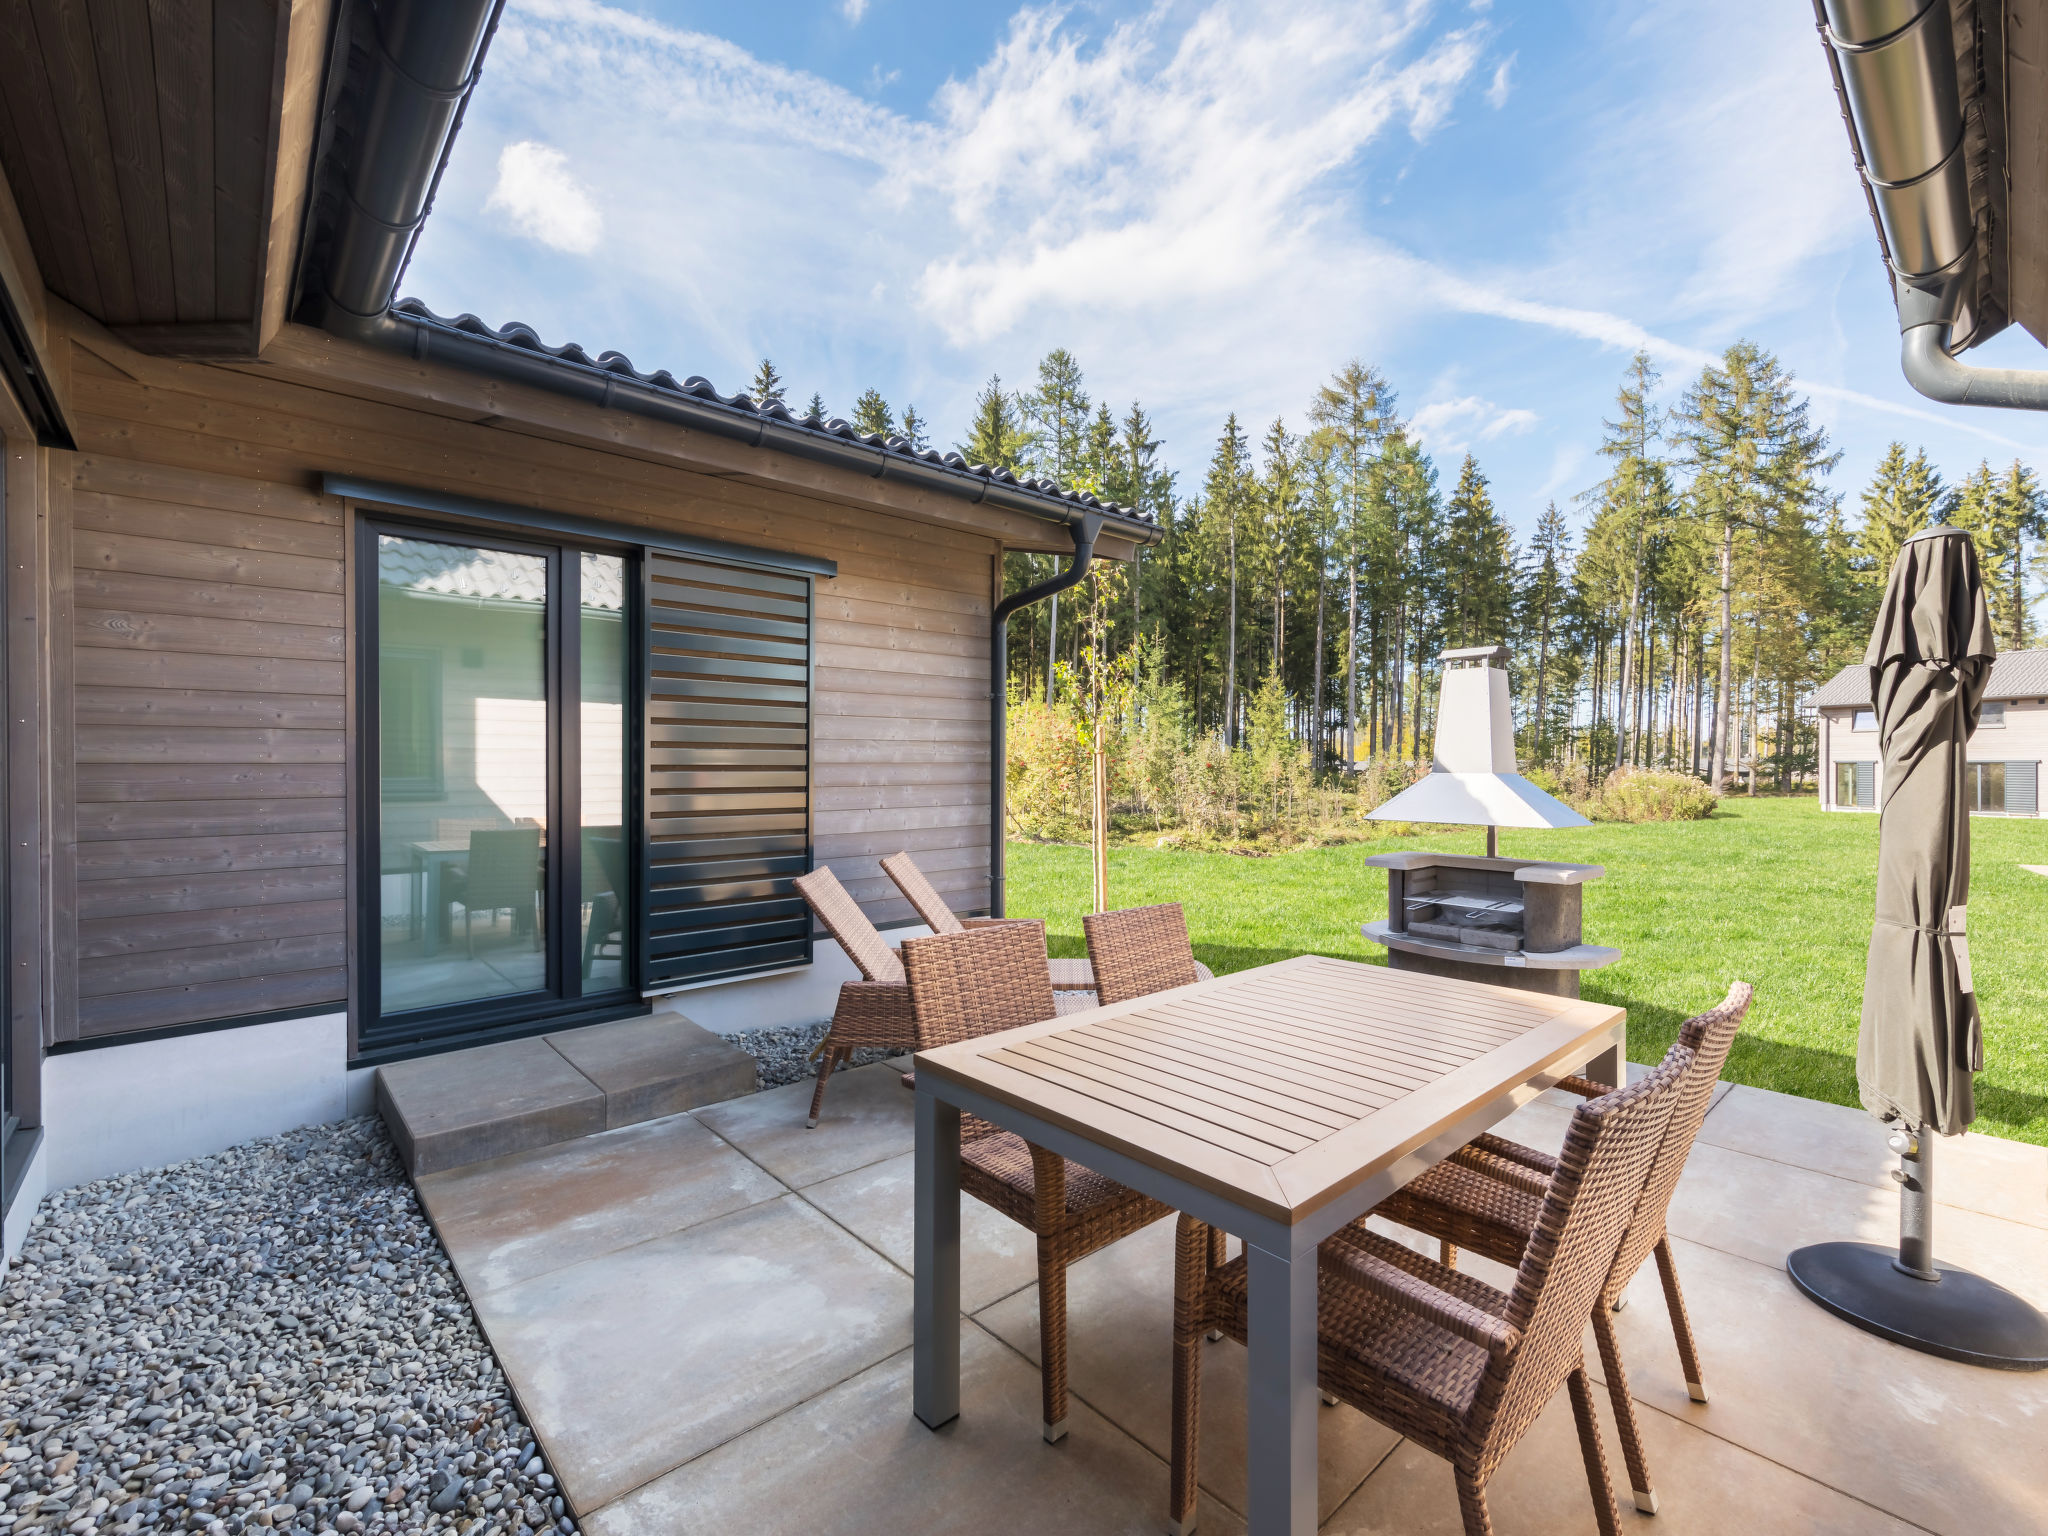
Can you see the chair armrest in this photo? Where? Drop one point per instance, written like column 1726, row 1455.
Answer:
column 1413, row 1294
column 1508, row 1161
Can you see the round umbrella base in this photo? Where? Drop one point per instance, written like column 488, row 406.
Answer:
column 1958, row 1317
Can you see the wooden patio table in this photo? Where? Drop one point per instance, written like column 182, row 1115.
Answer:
column 1279, row 1104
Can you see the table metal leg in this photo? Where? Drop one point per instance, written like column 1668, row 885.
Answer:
column 935, row 1391
column 1280, row 1392
column 437, row 909
column 1609, row 1067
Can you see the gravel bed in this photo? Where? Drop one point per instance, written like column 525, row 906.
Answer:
column 784, row 1055
column 269, row 1337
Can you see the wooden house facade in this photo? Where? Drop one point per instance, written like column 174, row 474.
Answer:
column 365, row 700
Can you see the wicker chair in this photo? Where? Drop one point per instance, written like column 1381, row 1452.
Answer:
column 931, row 908
column 1489, row 1197
column 874, row 1012
column 1139, row 951
column 964, row 985
column 1458, row 1367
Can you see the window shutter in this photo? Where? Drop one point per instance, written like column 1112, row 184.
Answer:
column 2019, row 789
column 1866, row 786
column 728, row 770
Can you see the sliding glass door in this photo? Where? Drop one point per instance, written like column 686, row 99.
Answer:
column 497, row 807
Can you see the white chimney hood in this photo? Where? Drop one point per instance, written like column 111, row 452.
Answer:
column 1473, row 779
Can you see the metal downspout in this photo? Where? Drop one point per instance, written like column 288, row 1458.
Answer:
column 1894, row 63
column 1084, row 528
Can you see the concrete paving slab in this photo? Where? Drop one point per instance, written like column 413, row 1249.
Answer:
column 1763, row 1210
column 515, row 1217
column 466, row 1106
column 868, row 1118
column 1119, row 1359
column 997, row 1256
column 631, row 1364
column 1953, row 1448
column 660, row 1065
column 1979, row 1173
column 853, row 1462
column 1705, row 1487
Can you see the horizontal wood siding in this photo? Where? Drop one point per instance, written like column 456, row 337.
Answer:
column 207, row 730
column 208, row 699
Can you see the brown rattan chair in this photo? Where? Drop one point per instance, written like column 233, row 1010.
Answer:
column 1489, row 1196
column 964, row 985
column 931, row 908
column 1139, row 951
column 1439, row 1356
column 874, row 1012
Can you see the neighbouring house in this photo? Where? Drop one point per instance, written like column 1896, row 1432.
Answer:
column 379, row 683
column 2005, row 755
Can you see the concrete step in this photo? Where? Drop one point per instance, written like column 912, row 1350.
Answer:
column 464, row 1106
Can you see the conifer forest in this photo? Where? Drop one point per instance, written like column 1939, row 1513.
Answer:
column 1673, row 615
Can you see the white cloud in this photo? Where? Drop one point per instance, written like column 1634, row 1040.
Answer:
column 1497, row 93
column 1447, row 427
column 543, row 200
column 853, row 10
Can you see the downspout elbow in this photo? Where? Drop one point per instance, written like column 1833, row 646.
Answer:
column 1930, row 368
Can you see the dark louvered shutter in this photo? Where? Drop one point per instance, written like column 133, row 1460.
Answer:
column 728, row 790
column 1866, row 786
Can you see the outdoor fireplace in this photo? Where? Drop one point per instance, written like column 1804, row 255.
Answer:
column 1511, row 922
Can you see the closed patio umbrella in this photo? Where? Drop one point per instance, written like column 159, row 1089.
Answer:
column 1922, row 1037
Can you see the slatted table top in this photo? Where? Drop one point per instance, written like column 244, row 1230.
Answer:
column 1282, row 1087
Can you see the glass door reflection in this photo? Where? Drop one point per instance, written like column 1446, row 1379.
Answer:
column 463, row 792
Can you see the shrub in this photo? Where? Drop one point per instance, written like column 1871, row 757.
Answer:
column 1651, row 794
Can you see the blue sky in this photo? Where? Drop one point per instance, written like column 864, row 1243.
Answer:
column 1212, row 204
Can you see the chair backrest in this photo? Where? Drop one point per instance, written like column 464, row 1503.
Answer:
column 964, row 985
column 1708, row 1036
column 844, row 920
column 918, row 891
column 1600, row 1174
column 1138, row 951
column 503, row 869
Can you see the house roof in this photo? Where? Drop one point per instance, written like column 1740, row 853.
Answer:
column 2014, row 675
column 572, row 355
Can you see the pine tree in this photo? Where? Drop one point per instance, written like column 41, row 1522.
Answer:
column 767, row 383
column 2001, row 515
column 1904, row 496
column 1227, row 495
column 1544, row 592
column 815, row 411
column 871, row 415
column 1479, row 563
column 914, row 430
column 1352, row 415
column 994, row 438
column 1756, row 458
column 1636, row 492
column 1056, row 414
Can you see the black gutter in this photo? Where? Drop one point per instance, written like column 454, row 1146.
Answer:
column 1084, row 530
column 430, row 339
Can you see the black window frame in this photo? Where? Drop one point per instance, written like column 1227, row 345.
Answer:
column 561, row 1002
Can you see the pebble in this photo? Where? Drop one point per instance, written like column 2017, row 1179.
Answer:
column 783, row 1055
column 268, row 1337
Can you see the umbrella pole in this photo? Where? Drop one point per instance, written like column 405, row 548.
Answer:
column 1915, row 1174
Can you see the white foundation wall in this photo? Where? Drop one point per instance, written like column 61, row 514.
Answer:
column 803, row 995
column 122, row 1107
column 34, row 1184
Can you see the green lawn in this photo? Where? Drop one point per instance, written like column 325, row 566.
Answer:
column 1774, row 892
